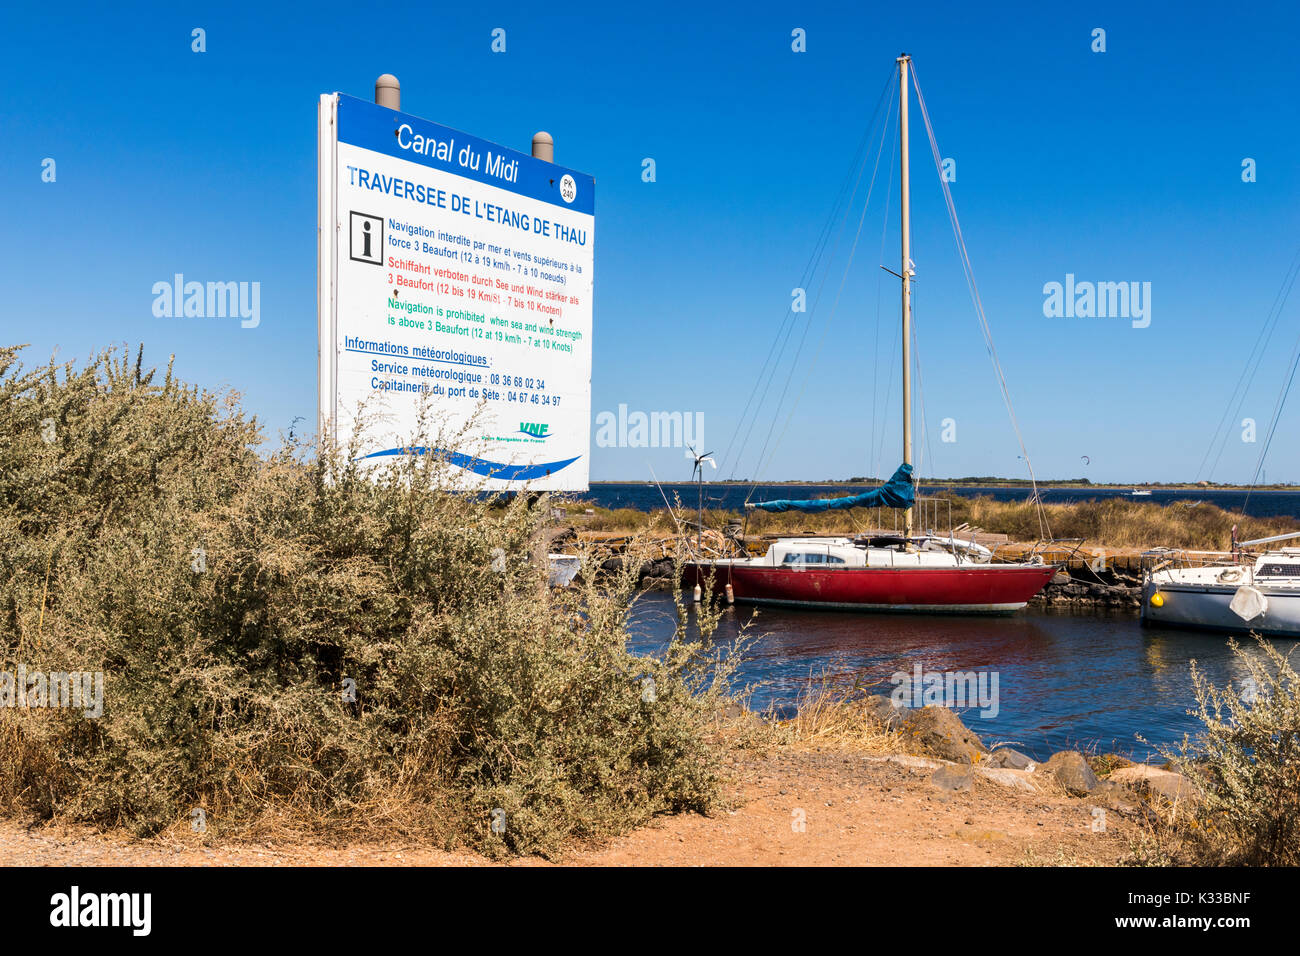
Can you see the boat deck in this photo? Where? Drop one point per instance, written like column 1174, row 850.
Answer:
column 1086, row 556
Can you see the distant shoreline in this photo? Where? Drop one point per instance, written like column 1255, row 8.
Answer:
column 996, row 483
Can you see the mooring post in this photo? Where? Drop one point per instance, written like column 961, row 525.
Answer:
column 388, row 92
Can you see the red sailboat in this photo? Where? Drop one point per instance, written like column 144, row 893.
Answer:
column 909, row 572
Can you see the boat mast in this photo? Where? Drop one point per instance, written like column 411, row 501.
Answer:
column 906, row 274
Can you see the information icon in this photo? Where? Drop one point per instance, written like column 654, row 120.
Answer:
column 367, row 239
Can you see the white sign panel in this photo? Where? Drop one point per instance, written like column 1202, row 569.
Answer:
column 458, row 271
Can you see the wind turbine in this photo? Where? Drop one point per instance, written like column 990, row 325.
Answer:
column 697, row 475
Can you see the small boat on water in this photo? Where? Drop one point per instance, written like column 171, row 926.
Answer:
column 1140, row 493
column 908, row 572
column 918, row 573
column 1242, row 592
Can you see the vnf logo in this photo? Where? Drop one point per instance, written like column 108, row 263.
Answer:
column 954, row 689
column 367, row 239
column 103, row 909
column 1102, row 300
column 655, row 430
column 535, row 429
column 213, row 300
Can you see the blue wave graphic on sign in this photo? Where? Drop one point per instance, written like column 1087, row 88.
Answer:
column 481, row 466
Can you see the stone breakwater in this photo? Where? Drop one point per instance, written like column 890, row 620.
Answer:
column 958, row 757
column 1083, row 588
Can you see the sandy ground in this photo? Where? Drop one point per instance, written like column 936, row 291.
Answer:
column 855, row 810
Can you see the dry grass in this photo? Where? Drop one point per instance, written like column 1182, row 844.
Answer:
column 1114, row 522
column 359, row 649
column 834, row 713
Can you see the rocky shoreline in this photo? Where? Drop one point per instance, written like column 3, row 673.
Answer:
column 1084, row 588
column 957, row 756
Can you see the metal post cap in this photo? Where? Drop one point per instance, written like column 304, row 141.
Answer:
column 544, row 146
column 388, row 92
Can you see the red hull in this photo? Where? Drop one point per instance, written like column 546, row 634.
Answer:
column 965, row 589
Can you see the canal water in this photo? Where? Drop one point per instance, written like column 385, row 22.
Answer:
column 647, row 497
column 1092, row 682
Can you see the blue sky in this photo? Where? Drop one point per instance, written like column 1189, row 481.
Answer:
column 1115, row 166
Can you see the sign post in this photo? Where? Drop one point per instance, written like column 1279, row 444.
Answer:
column 454, row 271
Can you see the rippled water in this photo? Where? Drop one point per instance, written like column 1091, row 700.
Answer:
column 646, row 497
column 1091, row 681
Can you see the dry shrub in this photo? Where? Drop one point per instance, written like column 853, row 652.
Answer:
column 1246, row 765
column 360, row 647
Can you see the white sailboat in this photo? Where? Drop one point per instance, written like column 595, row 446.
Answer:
column 1246, row 589
column 1249, row 591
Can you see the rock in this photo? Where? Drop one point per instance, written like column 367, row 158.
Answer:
column 1010, row 759
column 1016, row 779
column 1072, row 770
column 954, row 779
column 662, row 568
column 1174, row 787
column 1112, row 796
column 911, row 763
column 885, row 711
column 941, row 733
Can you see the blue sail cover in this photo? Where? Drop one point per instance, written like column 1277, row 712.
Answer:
column 896, row 493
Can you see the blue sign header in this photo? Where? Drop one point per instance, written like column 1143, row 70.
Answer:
column 404, row 136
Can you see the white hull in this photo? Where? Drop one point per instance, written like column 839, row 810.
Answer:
column 1196, row 598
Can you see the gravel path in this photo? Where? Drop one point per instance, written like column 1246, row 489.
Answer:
column 853, row 809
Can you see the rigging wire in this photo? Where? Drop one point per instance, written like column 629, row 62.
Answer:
column 927, row 438
column 1278, row 406
column 826, row 329
column 1044, row 529
column 1249, row 371
column 875, row 345
column 765, row 376
column 787, row 323
column 760, row 464
column 889, row 388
